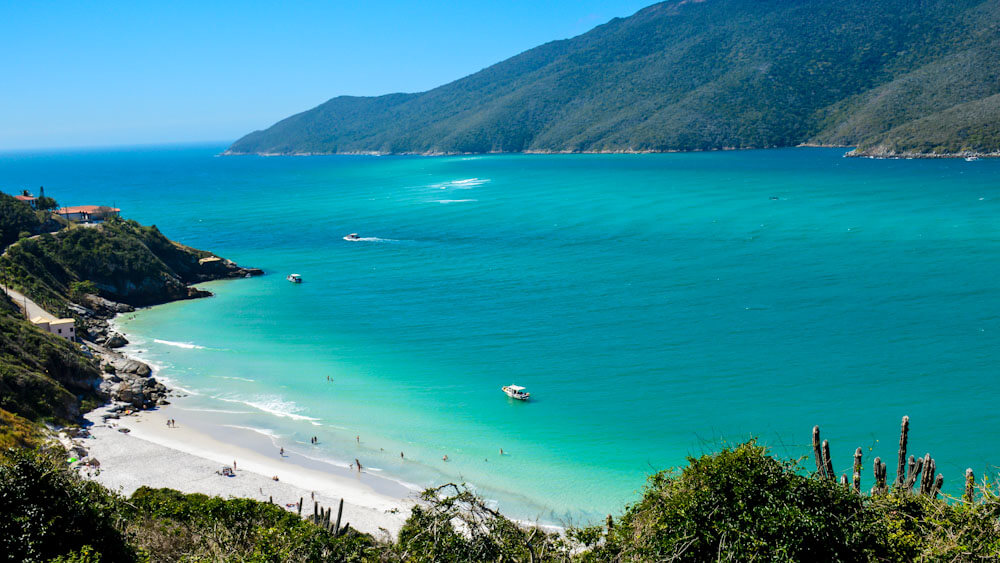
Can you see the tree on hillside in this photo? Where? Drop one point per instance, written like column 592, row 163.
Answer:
column 45, row 203
column 15, row 218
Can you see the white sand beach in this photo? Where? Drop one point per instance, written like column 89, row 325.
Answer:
column 184, row 458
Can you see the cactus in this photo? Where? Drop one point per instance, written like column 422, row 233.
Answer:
column 880, row 486
column 936, row 487
column 918, row 464
column 882, row 478
column 300, row 507
column 930, row 473
column 904, row 431
column 316, row 511
column 857, row 470
column 843, row 481
column 828, row 462
column 927, row 481
column 820, row 467
column 340, row 512
column 970, row 484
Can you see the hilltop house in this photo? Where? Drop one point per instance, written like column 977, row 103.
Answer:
column 65, row 328
column 88, row 213
column 30, row 200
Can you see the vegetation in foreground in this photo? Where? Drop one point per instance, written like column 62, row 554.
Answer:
column 739, row 504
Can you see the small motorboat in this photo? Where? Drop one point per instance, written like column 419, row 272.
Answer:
column 516, row 392
column 294, row 278
column 971, row 158
column 352, row 236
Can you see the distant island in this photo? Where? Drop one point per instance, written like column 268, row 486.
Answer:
column 891, row 78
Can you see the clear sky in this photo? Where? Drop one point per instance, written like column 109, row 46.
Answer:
column 101, row 73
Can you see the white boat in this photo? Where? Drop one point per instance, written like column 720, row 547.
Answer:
column 294, row 278
column 352, row 236
column 516, row 392
column 971, row 158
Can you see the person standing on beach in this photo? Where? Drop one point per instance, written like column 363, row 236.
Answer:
column 359, row 464
column 234, row 465
column 282, row 452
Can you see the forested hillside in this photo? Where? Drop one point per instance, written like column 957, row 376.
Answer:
column 888, row 75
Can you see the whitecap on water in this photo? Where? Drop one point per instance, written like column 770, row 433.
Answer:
column 187, row 345
column 271, row 405
column 463, row 184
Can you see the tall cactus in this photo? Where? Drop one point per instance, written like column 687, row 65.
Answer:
column 927, row 481
column 936, row 487
column 970, row 485
column 911, row 478
column 340, row 512
column 904, row 431
column 857, row 470
column 820, row 466
column 879, row 468
column 827, row 462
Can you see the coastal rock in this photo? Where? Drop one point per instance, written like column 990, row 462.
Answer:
column 106, row 307
column 194, row 293
column 115, row 340
column 80, row 310
column 130, row 366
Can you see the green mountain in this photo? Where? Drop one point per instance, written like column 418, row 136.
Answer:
column 886, row 75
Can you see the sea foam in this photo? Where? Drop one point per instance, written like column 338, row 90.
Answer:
column 187, row 345
column 271, row 405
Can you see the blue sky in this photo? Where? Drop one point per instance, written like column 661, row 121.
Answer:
column 102, row 73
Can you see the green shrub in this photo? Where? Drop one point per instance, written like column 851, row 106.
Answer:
column 430, row 533
column 200, row 527
column 47, row 511
column 742, row 504
column 78, row 289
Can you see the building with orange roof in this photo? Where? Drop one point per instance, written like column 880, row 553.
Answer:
column 88, row 213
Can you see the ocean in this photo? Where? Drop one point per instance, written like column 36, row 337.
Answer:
column 656, row 307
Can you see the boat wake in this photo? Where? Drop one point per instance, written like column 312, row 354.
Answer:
column 370, row 239
column 455, row 200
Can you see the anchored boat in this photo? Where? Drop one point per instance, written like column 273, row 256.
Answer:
column 516, row 392
column 294, row 278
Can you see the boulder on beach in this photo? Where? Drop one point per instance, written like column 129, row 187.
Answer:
column 115, row 340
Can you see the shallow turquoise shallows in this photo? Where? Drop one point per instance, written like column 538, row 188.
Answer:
column 655, row 306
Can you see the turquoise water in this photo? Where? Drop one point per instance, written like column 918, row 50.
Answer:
column 656, row 306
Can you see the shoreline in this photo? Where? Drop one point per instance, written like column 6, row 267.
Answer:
column 367, row 491
column 188, row 456
column 185, row 458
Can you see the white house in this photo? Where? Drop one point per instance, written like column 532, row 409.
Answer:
column 87, row 213
column 65, row 328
